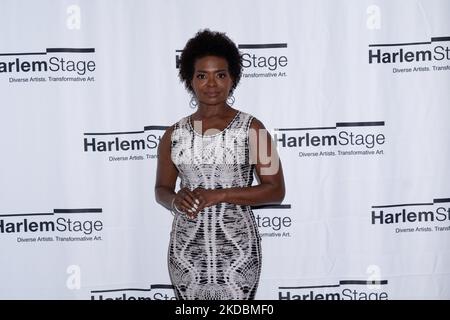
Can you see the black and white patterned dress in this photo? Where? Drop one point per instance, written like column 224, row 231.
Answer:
column 217, row 255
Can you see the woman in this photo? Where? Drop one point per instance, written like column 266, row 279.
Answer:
column 215, row 250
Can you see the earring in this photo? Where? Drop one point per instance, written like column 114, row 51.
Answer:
column 193, row 103
column 230, row 100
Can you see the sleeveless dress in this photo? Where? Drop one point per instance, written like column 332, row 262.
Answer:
column 218, row 254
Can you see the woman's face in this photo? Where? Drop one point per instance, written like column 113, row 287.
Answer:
column 212, row 81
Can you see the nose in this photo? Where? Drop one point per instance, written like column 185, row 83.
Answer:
column 211, row 82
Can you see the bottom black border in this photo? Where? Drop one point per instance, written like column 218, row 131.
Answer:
column 258, row 309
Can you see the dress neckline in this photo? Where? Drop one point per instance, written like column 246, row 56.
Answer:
column 216, row 134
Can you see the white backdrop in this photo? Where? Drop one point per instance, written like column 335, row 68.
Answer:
column 354, row 92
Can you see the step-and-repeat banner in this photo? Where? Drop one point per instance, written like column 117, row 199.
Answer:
column 355, row 94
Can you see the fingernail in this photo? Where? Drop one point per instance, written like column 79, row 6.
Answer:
column 196, row 201
column 195, row 206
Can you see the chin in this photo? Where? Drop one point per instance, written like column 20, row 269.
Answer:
column 213, row 101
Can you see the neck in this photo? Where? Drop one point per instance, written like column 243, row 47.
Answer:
column 207, row 111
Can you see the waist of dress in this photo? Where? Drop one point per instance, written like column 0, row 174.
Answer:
column 230, row 206
column 225, row 208
column 210, row 185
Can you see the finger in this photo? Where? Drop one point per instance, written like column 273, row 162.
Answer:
column 202, row 201
column 192, row 212
column 189, row 192
column 197, row 192
column 188, row 195
column 186, row 204
column 191, row 215
column 182, row 205
column 191, row 198
column 198, row 207
column 177, row 204
column 183, row 209
column 194, row 215
column 193, row 202
column 189, row 208
column 201, row 206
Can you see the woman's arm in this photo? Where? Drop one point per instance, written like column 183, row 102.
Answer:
column 271, row 189
column 166, row 178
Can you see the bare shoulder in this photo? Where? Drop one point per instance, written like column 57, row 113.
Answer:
column 256, row 124
column 168, row 133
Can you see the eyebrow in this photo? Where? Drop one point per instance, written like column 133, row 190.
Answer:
column 205, row 71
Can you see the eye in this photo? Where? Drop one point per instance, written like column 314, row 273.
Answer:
column 200, row 76
column 221, row 75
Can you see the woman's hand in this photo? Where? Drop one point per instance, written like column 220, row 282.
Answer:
column 187, row 202
column 209, row 197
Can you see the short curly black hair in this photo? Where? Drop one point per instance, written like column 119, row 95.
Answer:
column 209, row 43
